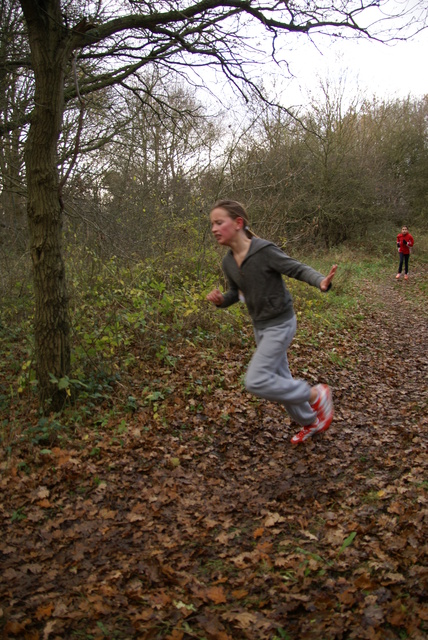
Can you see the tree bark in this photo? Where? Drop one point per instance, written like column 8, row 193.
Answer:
column 45, row 215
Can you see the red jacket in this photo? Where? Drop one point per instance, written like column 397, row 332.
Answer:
column 404, row 243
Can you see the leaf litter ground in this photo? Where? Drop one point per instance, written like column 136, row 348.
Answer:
column 198, row 519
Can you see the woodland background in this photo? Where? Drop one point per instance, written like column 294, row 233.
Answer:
column 110, row 140
column 349, row 172
column 162, row 501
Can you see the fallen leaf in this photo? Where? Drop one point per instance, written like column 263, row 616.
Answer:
column 216, row 594
column 44, row 611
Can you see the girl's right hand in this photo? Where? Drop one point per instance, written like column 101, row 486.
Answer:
column 327, row 280
column 216, row 297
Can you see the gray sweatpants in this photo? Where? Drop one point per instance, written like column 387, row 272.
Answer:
column 268, row 375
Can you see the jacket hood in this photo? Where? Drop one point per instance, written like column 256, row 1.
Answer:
column 255, row 246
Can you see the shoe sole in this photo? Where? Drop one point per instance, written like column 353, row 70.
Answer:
column 325, row 422
column 327, row 411
column 327, row 398
column 325, row 426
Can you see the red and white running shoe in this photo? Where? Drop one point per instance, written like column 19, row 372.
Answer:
column 306, row 432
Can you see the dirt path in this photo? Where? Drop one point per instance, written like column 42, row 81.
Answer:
column 395, row 341
column 206, row 523
column 395, row 359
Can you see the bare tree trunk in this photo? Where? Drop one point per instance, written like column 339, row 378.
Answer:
column 52, row 329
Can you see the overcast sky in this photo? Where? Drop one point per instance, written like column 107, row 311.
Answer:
column 370, row 68
column 387, row 71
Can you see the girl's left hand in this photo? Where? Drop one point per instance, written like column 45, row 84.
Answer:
column 327, row 280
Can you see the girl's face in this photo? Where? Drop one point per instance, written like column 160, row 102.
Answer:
column 225, row 229
column 404, row 230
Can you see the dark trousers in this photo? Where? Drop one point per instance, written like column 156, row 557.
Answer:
column 404, row 257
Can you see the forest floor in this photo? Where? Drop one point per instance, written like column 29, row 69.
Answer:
column 194, row 516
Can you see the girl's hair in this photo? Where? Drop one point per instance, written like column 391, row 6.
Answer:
column 235, row 210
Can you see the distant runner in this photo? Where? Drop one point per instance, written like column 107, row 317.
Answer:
column 405, row 243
